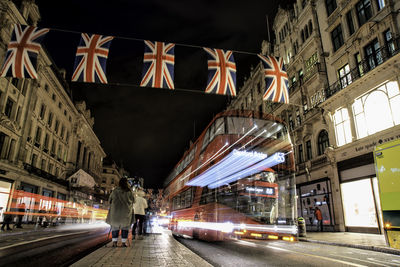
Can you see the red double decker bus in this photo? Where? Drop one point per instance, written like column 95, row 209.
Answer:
column 236, row 180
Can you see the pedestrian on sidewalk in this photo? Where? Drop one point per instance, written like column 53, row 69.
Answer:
column 120, row 213
column 7, row 219
column 21, row 213
column 140, row 214
column 318, row 216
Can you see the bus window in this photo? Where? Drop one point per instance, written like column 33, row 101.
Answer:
column 207, row 196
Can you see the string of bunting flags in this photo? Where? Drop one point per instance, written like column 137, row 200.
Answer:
column 158, row 63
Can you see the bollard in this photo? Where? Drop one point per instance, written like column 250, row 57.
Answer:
column 301, row 226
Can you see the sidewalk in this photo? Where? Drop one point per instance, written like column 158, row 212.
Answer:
column 373, row 242
column 158, row 249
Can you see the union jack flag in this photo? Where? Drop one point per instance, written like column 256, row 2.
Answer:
column 158, row 65
column 22, row 52
column 276, row 79
column 91, row 58
column 221, row 72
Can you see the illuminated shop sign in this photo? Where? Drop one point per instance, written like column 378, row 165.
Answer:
column 261, row 190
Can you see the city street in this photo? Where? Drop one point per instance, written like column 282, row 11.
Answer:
column 55, row 246
column 280, row 253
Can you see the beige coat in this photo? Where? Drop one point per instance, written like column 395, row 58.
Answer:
column 120, row 213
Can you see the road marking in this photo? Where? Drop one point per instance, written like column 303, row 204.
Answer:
column 40, row 239
column 249, row 244
column 367, row 261
column 320, row 257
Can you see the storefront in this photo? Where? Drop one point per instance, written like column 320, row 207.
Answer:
column 5, row 189
column 360, row 195
column 314, row 194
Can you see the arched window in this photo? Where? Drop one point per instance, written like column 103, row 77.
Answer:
column 306, row 31
column 323, row 142
column 302, row 36
column 310, row 27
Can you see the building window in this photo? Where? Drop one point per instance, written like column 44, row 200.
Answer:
column 308, row 150
column 2, row 142
column 381, row 4
column 46, row 141
column 291, row 123
column 46, row 87
column 298, row 118
column 342, row 126
column 62, row 131
column 53, row 147
column 360, row 66
column 373, row 54
column 50, row 120
column 301, row 74
column 59, row 105
column 10, row 153
column 377, row 110
column 42, row 111
column 59, row 152
column 57, row 126
column 43, row 164
column 323, row 142
column 9, row 107
column 51, row 167
column 53, row 96
column 38, row 136
column 310, row 27
column 345, row 75
column 389, row 42
column 302, row 36
column 34, row 160
column 300, row 155
column 305, row 104
column 364, row 11
column 330, row 6
column 337, row 37
column 350, row 22
column 306, row 32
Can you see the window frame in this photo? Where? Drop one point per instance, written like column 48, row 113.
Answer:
column 337, row 37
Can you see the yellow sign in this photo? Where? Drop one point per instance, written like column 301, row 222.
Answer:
column 387, row 164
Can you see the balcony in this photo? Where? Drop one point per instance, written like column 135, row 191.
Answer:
column 45, row 175
column 316, row 68
column 364, row 66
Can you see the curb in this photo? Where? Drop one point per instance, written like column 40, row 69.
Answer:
column 373, row 248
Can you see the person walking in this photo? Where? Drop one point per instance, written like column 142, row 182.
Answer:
column 120, row 214
column 7, row 219
column 140, row 214
column 21, row 213
column 318, row 216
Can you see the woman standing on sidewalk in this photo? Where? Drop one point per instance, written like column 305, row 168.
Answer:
column 139, row 207
column 120, row 214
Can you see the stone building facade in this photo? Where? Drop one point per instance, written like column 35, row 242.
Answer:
column 362, row 101
column 44, row 137
column 342, row 62
column 111, row 175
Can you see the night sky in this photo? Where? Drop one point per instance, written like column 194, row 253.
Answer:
column 147, row 130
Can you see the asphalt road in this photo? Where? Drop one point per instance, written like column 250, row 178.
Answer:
column 281, row 253
column 59, row 247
